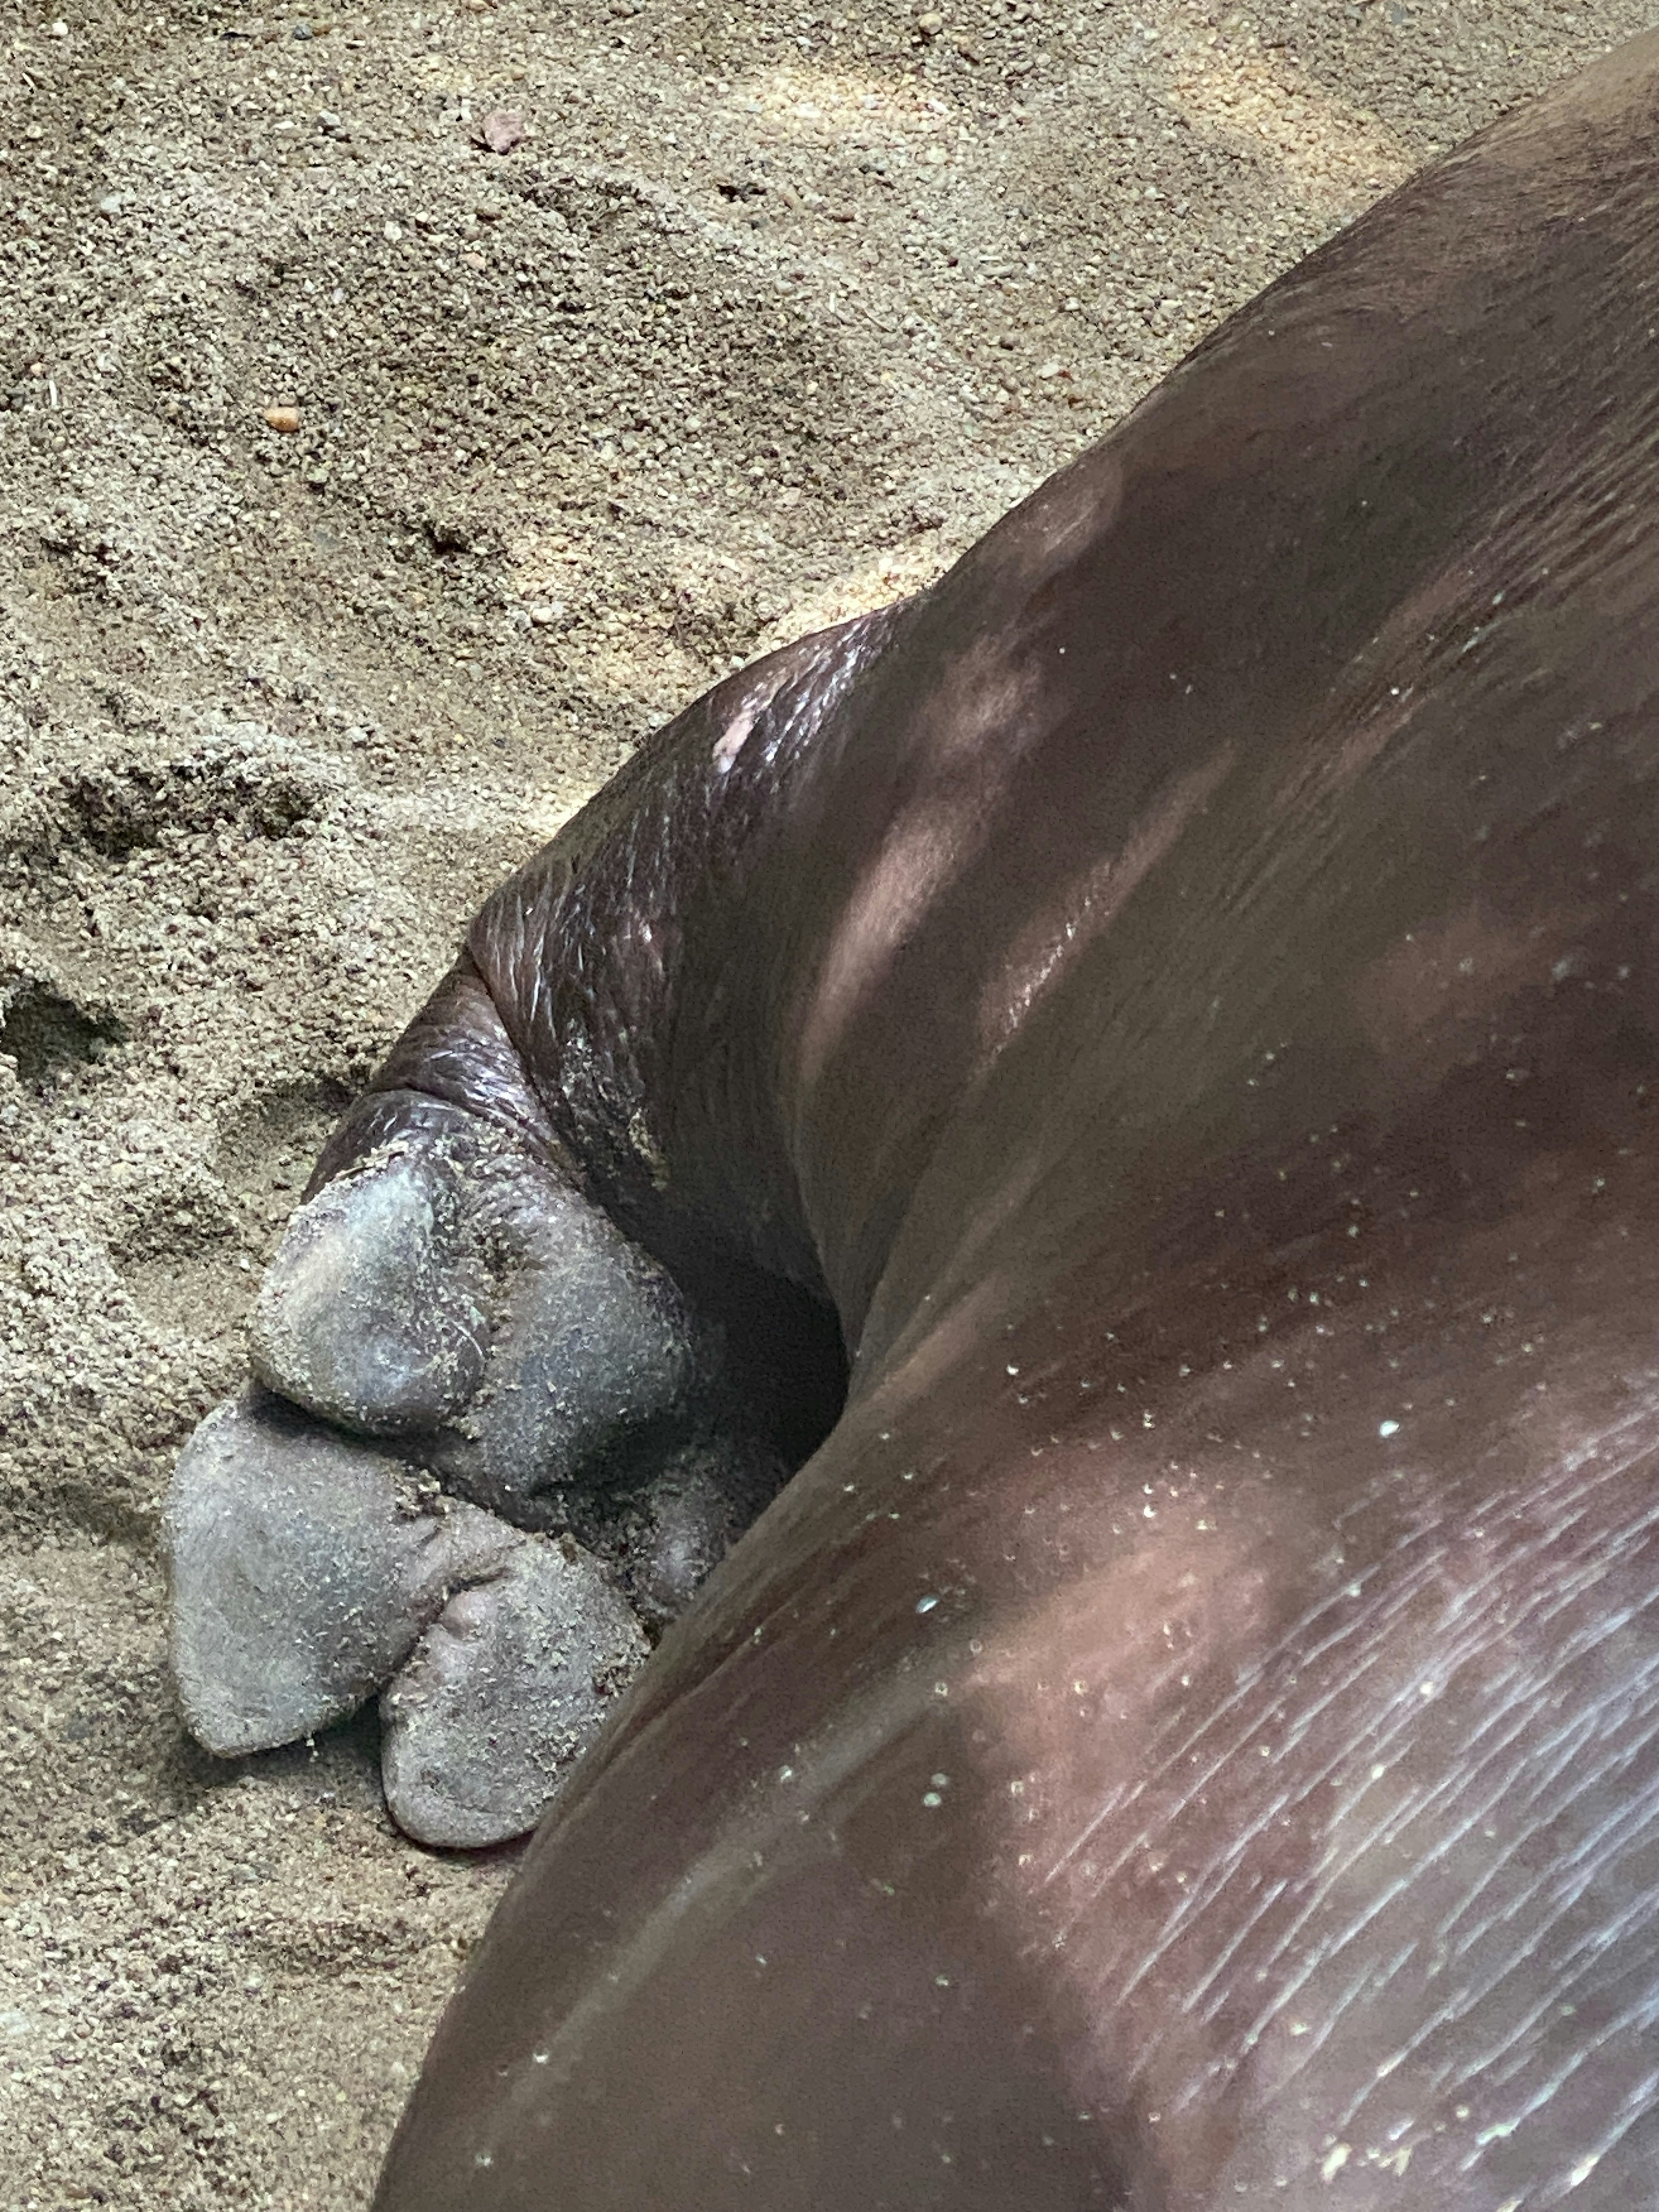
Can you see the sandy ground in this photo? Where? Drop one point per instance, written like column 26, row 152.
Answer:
column 765, row 317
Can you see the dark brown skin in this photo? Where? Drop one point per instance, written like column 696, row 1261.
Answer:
column 1186, row 990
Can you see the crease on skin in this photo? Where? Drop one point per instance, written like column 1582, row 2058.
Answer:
column 1383, row 1608
column 505, row 942
column 1127, row 1610
column 1453, row 633
column 1413, row 659
column 1562, row 1768
column 926, row 846
column 864, row 1727
column 1079, row 1676
column 1087, row 906
column 812, row 674
column 966, row 1284
column 976, row 731
column 894, row 1377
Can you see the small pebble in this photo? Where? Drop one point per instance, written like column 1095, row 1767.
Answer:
column 285, row 419
column 500, row 131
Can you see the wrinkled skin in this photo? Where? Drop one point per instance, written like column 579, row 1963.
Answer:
column 1183, row 998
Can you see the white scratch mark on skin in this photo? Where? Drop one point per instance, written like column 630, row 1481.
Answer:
column 732, row 737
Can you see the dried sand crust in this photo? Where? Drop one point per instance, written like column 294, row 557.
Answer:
column 766, row 316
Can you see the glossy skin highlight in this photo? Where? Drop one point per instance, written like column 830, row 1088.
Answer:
column 1185, row 993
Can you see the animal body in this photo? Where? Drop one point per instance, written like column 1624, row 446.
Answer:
column 1179, row 1002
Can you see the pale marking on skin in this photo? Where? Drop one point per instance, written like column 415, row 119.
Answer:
column 737, row 729
column 735, row 734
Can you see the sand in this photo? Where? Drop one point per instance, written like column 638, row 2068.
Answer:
column 763, row 317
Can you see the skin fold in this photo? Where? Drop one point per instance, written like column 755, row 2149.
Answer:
column 1133, row 1072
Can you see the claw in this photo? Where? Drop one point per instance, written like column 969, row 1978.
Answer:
column 304, row 1568
column 593, row 1341
column 372, row 1313
column 448, row 1287
column 505, row 1690
column 309, row 1570
column 677, row 1528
